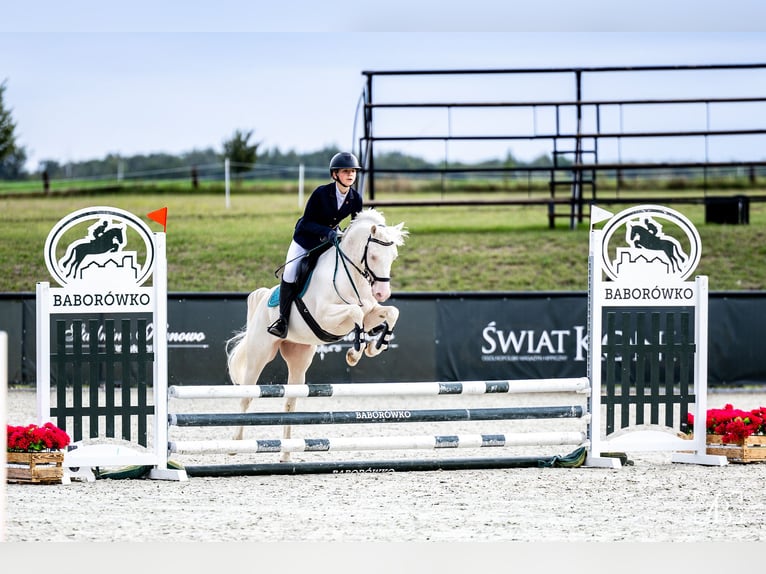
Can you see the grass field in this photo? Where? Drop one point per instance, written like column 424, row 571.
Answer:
column 493, row 248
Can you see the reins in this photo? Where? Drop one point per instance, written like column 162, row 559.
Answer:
column 367, row 273
column 286, row 263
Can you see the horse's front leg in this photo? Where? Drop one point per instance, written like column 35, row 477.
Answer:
column 380, row 316
column 344, row 318
column 385, row 318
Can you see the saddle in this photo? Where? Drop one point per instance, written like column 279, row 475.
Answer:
column 306, row 269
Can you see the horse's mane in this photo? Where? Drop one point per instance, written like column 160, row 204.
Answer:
column 371, row 216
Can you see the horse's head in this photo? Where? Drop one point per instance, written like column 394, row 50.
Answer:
column 374, row 246
column 116, row 235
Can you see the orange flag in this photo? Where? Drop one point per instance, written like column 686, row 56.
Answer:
column 160, row 216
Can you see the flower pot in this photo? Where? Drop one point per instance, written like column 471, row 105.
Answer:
column 35, row 467
column 751, row 449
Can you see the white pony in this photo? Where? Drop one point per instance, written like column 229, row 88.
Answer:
column 343, row 295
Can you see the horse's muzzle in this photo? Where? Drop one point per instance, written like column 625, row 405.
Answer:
column 381, row 290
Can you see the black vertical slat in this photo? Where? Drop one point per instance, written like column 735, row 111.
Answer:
column 627, row 363
column 141, row 364
column 93, row 382
column 60, row 359
column 641, row 350
column 77, row 360
column 686, row 363
column 611, row 370
column 114, row 366
column 110, row 358
column 654, row 368
column 670, row 364
column 125, row 362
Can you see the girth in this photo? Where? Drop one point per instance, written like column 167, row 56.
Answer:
column 313, row 325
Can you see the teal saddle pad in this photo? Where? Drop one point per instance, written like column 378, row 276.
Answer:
column 274, row 299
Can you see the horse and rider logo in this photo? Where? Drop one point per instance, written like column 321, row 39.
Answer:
column 659, row 243
column 100, row 245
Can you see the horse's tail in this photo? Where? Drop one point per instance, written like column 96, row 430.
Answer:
column 236, row 360
column 253, row 300
column 236, row 352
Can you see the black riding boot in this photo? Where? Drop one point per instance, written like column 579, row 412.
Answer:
column 287, row 292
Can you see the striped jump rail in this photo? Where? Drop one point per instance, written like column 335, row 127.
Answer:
column 580, row 385
column 373, row 416
column 422, row 442
column 385, row 466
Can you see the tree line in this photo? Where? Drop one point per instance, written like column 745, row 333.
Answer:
column 243, row 153
column 12, row 155
column 246, row 155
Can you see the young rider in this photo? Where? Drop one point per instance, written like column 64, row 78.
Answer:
column 326, row 207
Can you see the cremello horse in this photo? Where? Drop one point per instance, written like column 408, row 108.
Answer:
column 344, row 295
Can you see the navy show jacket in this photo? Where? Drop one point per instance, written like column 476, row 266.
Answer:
column 322, row 214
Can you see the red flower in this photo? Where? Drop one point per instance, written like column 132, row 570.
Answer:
column 33, row 438
column 734, row 424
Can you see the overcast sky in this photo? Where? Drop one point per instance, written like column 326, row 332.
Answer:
column 84, row 79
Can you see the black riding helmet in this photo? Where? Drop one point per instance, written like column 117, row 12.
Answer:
column 344, row 160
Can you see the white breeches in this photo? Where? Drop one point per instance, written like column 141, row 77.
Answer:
column 295, row 255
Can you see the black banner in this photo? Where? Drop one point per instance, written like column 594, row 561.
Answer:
column 502, row 338
column 439, row 337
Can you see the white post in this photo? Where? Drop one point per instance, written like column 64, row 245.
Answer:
column 3, row 428
column 160, row 346
column 699, row 455
column 226, row 179
column 301, row 170
column 594, row 356
column 595, row 329
column 43, row 353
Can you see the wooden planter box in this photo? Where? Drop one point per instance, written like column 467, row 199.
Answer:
column 752, row 449
column 35, row 467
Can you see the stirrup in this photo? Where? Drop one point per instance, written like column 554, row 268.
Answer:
column 278, row 328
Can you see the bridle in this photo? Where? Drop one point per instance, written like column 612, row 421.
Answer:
column 367, row 273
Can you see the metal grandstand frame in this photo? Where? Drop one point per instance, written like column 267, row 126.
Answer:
column 578, row 175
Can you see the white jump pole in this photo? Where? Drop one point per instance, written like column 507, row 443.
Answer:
column 579, row 385
column 421, row 442
column 301, row 171
column 3, row 428
column 227, row 184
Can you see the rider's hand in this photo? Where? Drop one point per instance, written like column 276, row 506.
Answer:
column 332, row 236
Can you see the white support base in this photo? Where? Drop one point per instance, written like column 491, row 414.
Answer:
column 86, row 474
column 168, row 474
column 703, row 459
column 602, row 462
column 80, row 473
column 113, row 453
column 81, row 460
